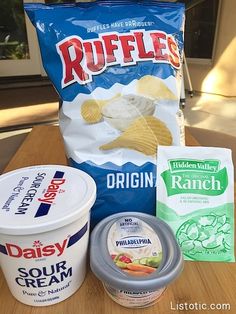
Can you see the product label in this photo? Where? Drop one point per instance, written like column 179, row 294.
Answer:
column 195, row 197
column 27, row 190
column 195, row 176
column 49, row 197
column 206, row 234
column 134, row 247
column 134, row 299
column 119, row 77
column 81, row 59
column 38, row 250
column 44, row 272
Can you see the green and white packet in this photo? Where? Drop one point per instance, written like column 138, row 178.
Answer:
column 195, row 196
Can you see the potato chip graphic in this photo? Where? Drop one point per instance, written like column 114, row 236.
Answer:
column 91, row 109
column 143, row 135
column 152, row 86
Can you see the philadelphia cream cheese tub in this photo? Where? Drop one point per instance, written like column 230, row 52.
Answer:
column 136, row 257
column 44, row 231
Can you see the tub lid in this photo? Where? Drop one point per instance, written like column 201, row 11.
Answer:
column 42, row 198
column 135, row 252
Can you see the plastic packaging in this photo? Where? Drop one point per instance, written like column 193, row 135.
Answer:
column 195, row 196
column 117, row 68
column 136, row 257
column 44, row 231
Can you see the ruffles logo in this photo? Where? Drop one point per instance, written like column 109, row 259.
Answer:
column 81, row 59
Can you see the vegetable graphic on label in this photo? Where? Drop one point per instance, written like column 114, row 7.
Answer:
column 209, row 234
column 134, row 247
column 138, row 267
column 153, row 261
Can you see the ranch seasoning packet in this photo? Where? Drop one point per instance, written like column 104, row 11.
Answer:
column 195, row 196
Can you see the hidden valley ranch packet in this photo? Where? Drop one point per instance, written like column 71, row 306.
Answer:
column 117, row 68
column 195, row 196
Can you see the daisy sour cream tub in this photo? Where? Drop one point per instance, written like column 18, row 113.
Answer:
column 136, row 257
column 44, row 231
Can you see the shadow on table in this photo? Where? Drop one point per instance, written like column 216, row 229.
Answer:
column 8, row 147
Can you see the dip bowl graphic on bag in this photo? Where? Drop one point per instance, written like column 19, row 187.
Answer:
column 122, row 111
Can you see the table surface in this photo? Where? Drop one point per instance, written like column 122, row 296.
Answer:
column 201, row 282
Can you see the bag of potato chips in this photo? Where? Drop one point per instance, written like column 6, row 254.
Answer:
column 116, row 66
column 195, row 196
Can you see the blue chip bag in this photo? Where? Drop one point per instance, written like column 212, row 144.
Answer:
column 117, row 68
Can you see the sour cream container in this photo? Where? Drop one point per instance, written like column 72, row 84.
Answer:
column 44, row 231
column 136, row 257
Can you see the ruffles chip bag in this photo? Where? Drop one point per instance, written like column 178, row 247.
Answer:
column 117, row 68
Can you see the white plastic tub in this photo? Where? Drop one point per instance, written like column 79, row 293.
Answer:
column 44, row 231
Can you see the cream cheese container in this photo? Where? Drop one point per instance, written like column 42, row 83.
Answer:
column 44, row 231
column 136, row 257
